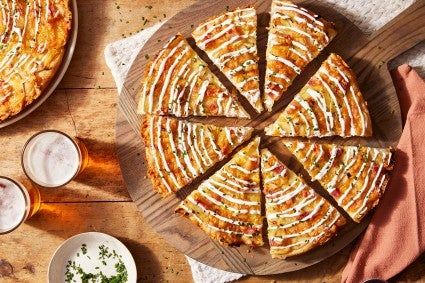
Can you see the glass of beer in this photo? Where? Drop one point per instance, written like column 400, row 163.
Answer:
column 52, row 159
column 17, row 204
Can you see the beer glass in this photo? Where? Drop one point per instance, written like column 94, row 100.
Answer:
column 17, row 204
column 52, row 159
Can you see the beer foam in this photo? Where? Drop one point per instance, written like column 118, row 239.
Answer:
column 51, row 159
column 12, row 205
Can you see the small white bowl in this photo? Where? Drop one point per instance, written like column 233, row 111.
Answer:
column 69, row 250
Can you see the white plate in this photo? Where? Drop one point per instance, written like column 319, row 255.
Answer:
column 70, row 250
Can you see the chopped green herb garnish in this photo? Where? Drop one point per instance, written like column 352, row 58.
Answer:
column 74, row 272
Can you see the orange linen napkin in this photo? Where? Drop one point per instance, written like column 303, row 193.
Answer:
column 396, row 234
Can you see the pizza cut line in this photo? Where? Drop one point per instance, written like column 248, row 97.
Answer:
column 177, row 151
column 329, row 104
column 355, row 176
column 230, row 41
column 298, row 218
column 227, row 206
column 33, row 38
column 178, row 82
column 296, row 37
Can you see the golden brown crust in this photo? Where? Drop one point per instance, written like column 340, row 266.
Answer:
column 230, row 41
column 329, row 104
column 227, row 205
column 31, row 52
column 355, row 176
column 296, row 37
column 298, row 218
column 178, row 82
column 177, row 151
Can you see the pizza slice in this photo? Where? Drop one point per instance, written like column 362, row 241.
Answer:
column 227, row 206
column 329, row 104
column 356, row 176
column 298, row 218
column 178, row 151
column 177, row 82
column 230, row 41
column 296, row 37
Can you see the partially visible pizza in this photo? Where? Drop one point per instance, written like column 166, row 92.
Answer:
column 356, row 176
column 178, row 151
column 33, row 39
column 230, row 41
column 296, row 37
column 178, row 82
column 227, row 206
column 330, row 104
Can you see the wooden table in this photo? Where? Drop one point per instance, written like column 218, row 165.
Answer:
column 84, row 105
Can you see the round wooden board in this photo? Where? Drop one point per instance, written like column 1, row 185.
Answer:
column 180, row 232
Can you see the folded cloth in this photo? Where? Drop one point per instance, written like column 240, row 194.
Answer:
column 396, row 234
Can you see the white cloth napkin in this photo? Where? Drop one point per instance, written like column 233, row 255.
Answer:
column 369, row 15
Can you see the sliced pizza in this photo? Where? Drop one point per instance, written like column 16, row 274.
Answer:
column 296, row 37
column 298, row 218
column 329, row 104
column 178, row 151
column 230, row 41
column 227, row 206
column 356, row 176
column 178, row 82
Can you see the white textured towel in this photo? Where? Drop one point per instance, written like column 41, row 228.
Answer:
column 369, row 15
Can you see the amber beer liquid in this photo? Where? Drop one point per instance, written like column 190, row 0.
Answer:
column 52, row 159
column 17, row 204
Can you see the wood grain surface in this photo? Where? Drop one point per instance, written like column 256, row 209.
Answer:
column 365, row 55
column 82, row 106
